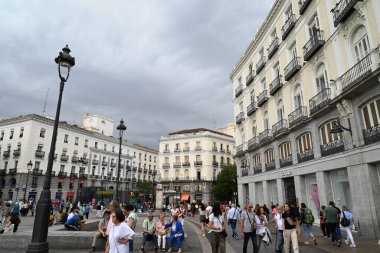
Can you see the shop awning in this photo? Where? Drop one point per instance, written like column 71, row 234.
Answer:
column 185, row 196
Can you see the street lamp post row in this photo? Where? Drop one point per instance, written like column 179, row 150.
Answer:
column 40, row 228
column 29, row 166
column 121, row 127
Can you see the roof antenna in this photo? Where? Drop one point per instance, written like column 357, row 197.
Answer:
column 44, row 111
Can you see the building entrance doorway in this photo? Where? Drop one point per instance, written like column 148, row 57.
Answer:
column 290, row 191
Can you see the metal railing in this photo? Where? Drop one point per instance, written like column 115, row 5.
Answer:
column 64, row 158
column 257, row 169
column 371, row 135
column 280, row 126
column 16, row 152
column 261, row 64
column 262, row 98
column 240, row 118
column 320, row 100
column 300, row 114
column 239, row 149
column 250, row 77
column 286, row 161
column 305, row 156
column 275, row 85
column 343, row 10
column 251, row 108
column 238, row 90
column 273, row 47
column 303, row 4
column 292, row 68
column 315, row 42
column 270, row 166
column 288, row 26
column 332, row 147
column 265, row 135
column 39, row 153
column 253, row 143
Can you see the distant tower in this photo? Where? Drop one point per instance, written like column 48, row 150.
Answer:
column 98, row 123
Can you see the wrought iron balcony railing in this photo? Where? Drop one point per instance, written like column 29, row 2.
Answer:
column 113, row 165
column 257, row 169
column 332, row 147
column 104, row 163
column 64, row 158
column 320, row 100
column 95, row 162
column 198, row 163
column 313, row 45
column 177, row 165
column 261, row 64
column 215, row 164
column 297, row 116
column 251, row 108
column 273, row 48
column 292, row 68
column 186, row 164
column 186, row 149
column 198, row 148
column 288, row 26
column 253, row 144
column 16, row 152
column 275, row 85
column 305, row 156
column 270, row 166
column 240, row 150
column 39, row 153
column 249, row 79
column 238, row 90
column 262, row 98
column 215, row 149
column 62, row 174
column 265, row 136
column 6, row 153
column 280, row 127
column 286, row 161
column 303, row 4
column 371, row 135
column 13, row 171
column 240, row 118
column 177, row 150
column 244, row 172
column 343, row 10
column 74, row 159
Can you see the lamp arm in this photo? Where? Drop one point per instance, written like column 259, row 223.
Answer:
column 346, row 128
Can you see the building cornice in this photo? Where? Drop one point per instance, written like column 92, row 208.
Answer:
column 104, row 152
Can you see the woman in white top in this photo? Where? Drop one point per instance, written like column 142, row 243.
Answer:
column 261, row 222
column 119, row 234
column 217, row 230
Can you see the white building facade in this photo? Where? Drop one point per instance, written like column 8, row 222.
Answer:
column 312, row 64
column 28, row 138
column 190, row 161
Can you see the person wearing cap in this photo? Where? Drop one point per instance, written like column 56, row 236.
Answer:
column 149, row 232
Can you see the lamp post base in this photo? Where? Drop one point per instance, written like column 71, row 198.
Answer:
column 42, row 247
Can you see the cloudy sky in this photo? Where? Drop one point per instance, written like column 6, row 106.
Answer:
column 162, row 65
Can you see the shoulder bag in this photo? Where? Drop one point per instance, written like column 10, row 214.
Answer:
column 345, row 222
column 230, row 220
column 250, row 222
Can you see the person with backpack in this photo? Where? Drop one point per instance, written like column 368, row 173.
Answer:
column 332, row 223
column 307, row 220
column 347, row 222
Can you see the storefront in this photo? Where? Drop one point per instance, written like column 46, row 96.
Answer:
column 341, row 188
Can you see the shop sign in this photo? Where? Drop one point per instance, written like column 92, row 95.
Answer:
column 286, row 173
column 198, row 196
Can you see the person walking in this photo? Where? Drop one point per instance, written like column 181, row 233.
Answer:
column 347, row 225
column 277, row 218
column 202, row 218
column 248, row 227
column 307, row 220
column 289, row 221
column 322, row 221
column 119, row 234
column 332, row 224
column 232, row 217
column 261, row 223
column 217, row 230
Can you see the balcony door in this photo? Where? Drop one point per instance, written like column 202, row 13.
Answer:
column 314, row 26
column 361, row 43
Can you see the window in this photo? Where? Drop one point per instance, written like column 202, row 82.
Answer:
column 12, row 132
column 37, row 165
column 261, row 53
column 177, row 146
column 76, row 140
column 254, row 129
column 105, row 147
column 276, row 70
column 252, row 97
column 285, row 150
column 96, row 144
column 19, row 146
column 222, row 160
column 113, row 148
column 2, row 135
column 328, row 137
column 250, row 69
column 166, row 159
column 266, row 120
column 288, row 12
column 154, row 159
column 321, row 78
column 304, row 143
column 221, row 147
column 186, row 158
column 298, row 97
column 293, row 51
column 263, row 84
column 177, row 159
column 273, row 35
column 256, row 160
column 228, row 161
column 361, row 43
column 371, row 114
column 66, row 139
column 150, row 158
column 214, row 158
column 313, row 26
column 5, row 165
column 269, row 156
column 72, row 169
column 145, row 157
column 241, row 106
column 21, row 132
column 16, row 163
column 86, row 143
column 198, row 158
column 40, row 147
column 228, row 148
column 280, row 110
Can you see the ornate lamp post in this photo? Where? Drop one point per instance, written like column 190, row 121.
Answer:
column 40, row 228
column 29, row 166
column 80, row 174
column 121, row 127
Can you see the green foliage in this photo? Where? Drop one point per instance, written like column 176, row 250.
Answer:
column 145, row 187
column 226, row 184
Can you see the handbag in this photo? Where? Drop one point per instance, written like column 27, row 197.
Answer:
column 224, row 233
column 345, row 222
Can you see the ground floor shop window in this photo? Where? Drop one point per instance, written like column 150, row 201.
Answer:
column 341, row 188
column 272, row 192
column 259, row 193
column 312, row 194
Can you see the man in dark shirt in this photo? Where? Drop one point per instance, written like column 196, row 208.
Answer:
column 289, row 220
column 332, row 222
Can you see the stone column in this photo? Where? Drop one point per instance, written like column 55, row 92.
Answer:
column 299, row 184
column 251, row 192
column 324, row 188
column 280, row 191
column 265, row 192
column 241, row 193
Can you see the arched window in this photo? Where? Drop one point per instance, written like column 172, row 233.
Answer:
column 280, row 110
column 186, row 174
column 285, row 150
column 360, row 43
column 269, row 156
column 327, row 136
column 297, row 97
column 371, row 114
column 321, row 78
column 166, row 175
column 304, row 143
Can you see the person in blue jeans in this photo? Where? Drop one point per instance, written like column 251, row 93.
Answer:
column 233, row 215
column 280, row 230
column 176, row 233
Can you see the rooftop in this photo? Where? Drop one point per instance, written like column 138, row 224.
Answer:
column 197, row 130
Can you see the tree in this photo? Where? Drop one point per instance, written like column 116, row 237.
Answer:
column 226, row 184
column 146, row 187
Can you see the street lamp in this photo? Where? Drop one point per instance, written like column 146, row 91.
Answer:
column 80, row 162
column 40, row 228
column 121, row 127
column 29, row 166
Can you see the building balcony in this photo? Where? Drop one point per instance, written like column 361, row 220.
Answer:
column 82, row 176
column 95, row 162
column 222, row 150
column 198, row 163
column 198, row 148
column 320, row 100
column 85, row 161
column 280, row 127
column 253, row 144
column 360, row 71
column 261, row 64
column 13, row 171
column 305, row 156
column 303, row 4
column 166, row 151
column 244, row 172
column 288, row 26
column 113, row 165
column 265, row 136
column 270, row 166
column 371, row 135
column 73, row 175
column 239, row 118
column 215, row 149
column 74, row 159
column 177, row 165
column 135, row 168
column 249, row 79
column 3, row 172
column 37, row 172
column 62, row 174
column 275, row 85
column 150, row 171
column 129, row 168
column 104, row 163
column 215, row 164
column 332, row 148
column 257, row 169
column 228, row 151
column 313, row 45
column 287, row 161
column 186, row 164
column 64, row 158
column 343, row 10
column 238, row 90
column 177, row 150
column 6, row 153
column 292, row 68
column 297, row 116
column 16, row 152
column 145, row 170
column 262, row 98
column 166, row 165
column 251, row 108
column 139, row 169
column 240, row 150
column 273, row 48
column 186, row 149
column 39, row 153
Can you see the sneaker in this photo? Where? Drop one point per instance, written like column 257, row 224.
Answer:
column 338, row 243
column 170, row 250
column 93, row 249
column 325, row 237
column 306, row 243
column 353, row 245
column 346, row 241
